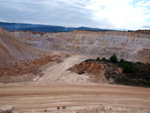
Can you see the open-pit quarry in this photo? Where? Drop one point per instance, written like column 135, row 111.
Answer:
column 35, row 75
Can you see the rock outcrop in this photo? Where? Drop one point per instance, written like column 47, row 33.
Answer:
column 132, row 46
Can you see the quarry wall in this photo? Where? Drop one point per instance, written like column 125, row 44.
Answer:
column 131, row 46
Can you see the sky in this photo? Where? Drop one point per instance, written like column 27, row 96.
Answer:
column 108, row 14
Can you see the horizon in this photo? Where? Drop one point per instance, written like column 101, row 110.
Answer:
column 58, row 25
column 74, row 27
column 114, row 14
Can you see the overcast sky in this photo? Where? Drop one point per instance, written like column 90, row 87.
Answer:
column 111, row 14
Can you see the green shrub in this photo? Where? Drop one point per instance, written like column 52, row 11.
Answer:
column 81, row 72
column 127, row 67
column 103, row 59
column 113, row 59
column 121, row 61
column 98, row 59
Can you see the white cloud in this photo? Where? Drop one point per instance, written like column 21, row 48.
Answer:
column 117, row 14
column 121, row 13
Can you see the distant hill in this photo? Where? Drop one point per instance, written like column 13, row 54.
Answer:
column 43, row 28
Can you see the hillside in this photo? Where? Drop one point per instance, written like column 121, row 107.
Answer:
column 131, row 46
column 14, row 50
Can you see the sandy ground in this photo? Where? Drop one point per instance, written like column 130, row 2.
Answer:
column 60, row 91
column 75, row 98
column 59, row 73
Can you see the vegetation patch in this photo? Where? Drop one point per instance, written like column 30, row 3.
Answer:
column 122, row 72
column 137, row 74
column 81, row 72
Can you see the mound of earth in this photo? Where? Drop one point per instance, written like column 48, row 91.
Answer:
column 13, row 50
column 97, row 71
column 20, row 62
column 104, row 71
column 26, row 71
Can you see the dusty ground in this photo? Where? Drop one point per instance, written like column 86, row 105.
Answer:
column 76, row 98
column 59, row 73
column 61, row 91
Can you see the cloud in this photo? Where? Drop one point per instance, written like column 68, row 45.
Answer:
column 115, row 14
column 53, row 12
column 146, row 27
column 121, row 13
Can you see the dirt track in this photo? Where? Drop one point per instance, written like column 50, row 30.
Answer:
column 75, row 97
column 59, row 73
column 60, row 97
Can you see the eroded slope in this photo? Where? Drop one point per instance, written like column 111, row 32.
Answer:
column 127, row 45
column 13, row 50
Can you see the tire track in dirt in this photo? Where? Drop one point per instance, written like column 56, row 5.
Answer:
column 27, row 99
column 55, row 73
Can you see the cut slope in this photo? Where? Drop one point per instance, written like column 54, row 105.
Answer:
column 130, row 46
column 14, row 50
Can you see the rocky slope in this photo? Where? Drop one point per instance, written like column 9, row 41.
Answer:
column 18, row 58
column 131, row 46
column 13, row 50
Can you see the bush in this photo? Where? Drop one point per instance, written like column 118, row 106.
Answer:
column 113, row 59
column 103, row 59
column 81, row 72
column 127, row 67
column 121, row 61
column 98, row 59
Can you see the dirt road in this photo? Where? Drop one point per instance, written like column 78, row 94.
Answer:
column 59, row 73
column 76, row 98
column 50, row 94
